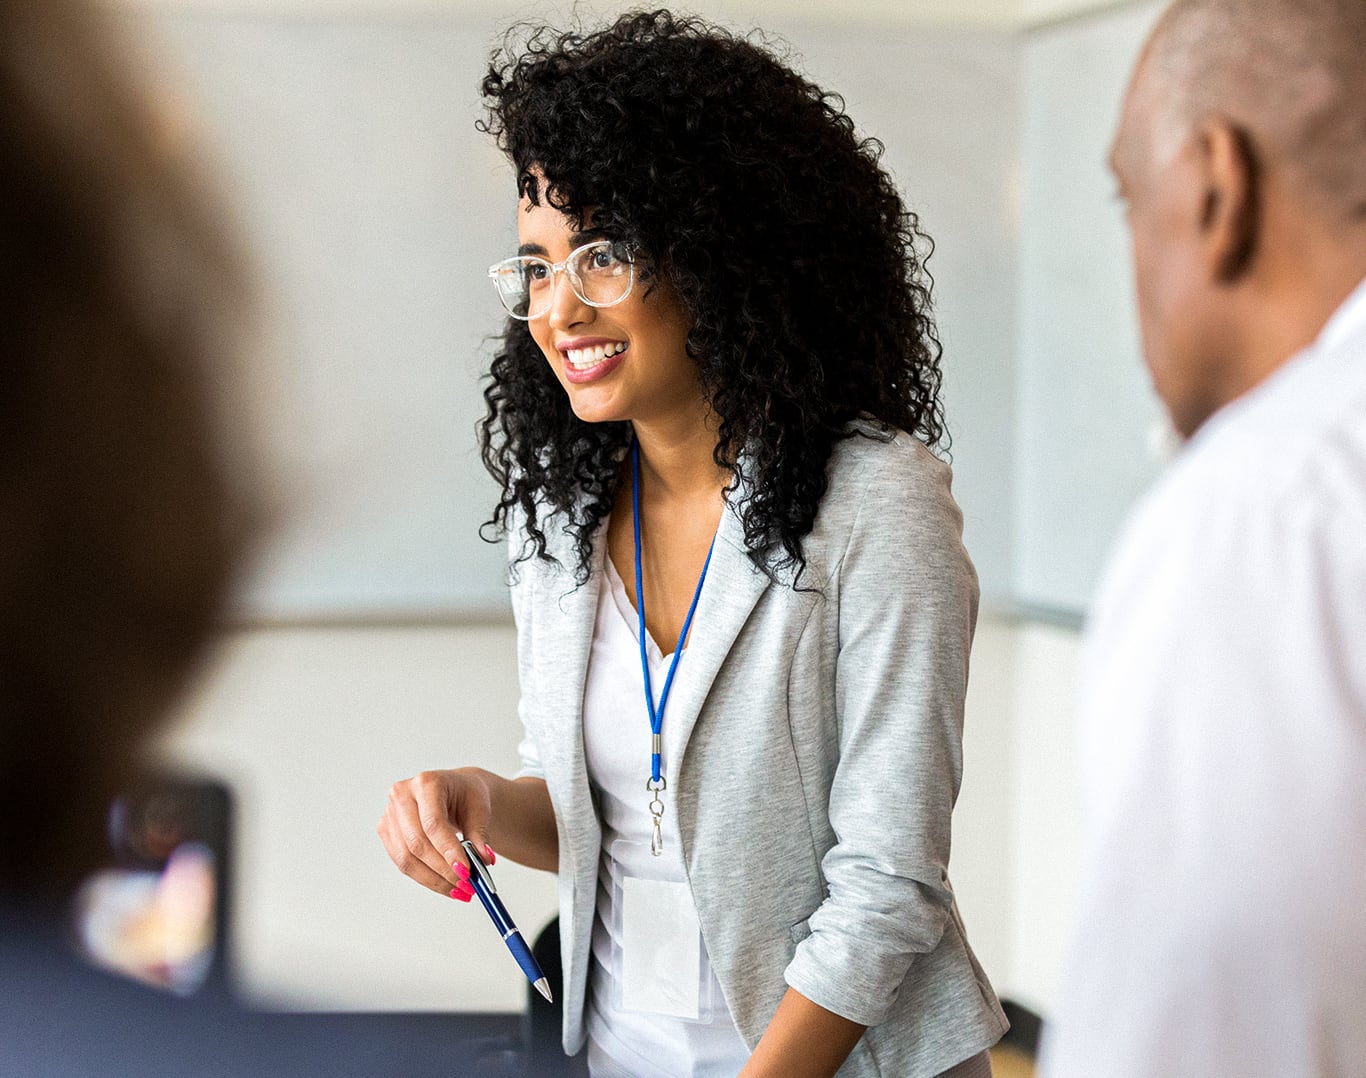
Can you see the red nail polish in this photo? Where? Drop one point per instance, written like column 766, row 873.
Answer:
column 462, row 870
column 461, row 895
column 488, row 853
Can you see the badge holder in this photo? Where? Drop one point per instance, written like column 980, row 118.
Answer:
column 657, row 941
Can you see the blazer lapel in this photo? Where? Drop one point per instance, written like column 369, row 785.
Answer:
column 732, row 588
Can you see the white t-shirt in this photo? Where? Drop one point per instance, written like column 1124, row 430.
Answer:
column 1221, row 928
column 616, row 732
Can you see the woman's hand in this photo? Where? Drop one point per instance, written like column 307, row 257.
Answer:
column 427, row 814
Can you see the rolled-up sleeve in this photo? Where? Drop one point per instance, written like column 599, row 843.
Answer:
column 907, row 596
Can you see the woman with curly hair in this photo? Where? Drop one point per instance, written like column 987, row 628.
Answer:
column 743, row 606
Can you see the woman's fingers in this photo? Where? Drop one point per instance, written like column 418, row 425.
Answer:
column 424, row 821
column 411, row 866
column 415, row 805
column 449, row 805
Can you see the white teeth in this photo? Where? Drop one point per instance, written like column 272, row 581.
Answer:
column 583, row 358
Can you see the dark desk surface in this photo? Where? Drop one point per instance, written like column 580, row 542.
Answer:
column 486, row 1045
column 59, row 1018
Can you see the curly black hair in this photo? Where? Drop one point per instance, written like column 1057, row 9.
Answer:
column 748, row 188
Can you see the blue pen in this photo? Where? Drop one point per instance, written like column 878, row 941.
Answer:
column 482, row 883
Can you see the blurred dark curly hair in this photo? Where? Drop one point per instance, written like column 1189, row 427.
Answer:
column 749, row 189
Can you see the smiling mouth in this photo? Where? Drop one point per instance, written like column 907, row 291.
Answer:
column 582, row 359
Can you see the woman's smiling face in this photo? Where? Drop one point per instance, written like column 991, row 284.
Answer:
column 624, row 362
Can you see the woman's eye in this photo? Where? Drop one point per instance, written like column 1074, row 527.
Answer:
column 537, row 271
column 606, row 260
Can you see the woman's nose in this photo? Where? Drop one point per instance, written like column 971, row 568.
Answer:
column 566, row 308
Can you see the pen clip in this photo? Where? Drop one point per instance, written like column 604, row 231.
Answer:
column 477, row 864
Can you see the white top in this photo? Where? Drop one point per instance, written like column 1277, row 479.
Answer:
column 1222, row 920
column 616, row 733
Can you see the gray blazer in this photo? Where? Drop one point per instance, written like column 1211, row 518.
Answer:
column 819, row 756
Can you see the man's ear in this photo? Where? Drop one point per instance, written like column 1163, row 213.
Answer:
column 1231, row 221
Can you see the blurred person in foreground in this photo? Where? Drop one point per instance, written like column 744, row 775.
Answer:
column 123, row 520
column 1221, row 927
column 123, row 523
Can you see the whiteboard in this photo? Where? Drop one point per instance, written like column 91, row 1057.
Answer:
column 371, row 208
column 1086, row 412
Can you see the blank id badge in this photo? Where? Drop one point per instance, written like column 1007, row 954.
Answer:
column 656, row 940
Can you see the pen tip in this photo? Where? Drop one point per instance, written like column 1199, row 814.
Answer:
column 543, row 986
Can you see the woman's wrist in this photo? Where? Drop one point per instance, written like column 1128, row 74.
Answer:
column 522, row 826
column 803, row 1040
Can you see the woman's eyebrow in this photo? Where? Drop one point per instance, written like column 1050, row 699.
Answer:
column 578, row 239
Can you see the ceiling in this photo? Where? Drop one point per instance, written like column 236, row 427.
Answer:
column 1004, row 14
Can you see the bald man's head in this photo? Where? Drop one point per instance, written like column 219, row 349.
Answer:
column 1291, row 73
column 1241, row 156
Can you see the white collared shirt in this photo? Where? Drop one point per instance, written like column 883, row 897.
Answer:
column 1221, row 928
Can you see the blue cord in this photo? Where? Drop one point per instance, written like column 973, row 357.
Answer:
column 657, row 715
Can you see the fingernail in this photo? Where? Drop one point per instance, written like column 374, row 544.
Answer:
column 462, row 894
column 488, row 853
column 461, row 870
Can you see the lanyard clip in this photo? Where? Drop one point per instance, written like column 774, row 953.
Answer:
column 656, row 806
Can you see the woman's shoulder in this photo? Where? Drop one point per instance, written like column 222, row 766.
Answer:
column 876, row 460
column 886, row 492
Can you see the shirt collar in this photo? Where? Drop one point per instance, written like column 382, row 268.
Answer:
column 1347, row 320
column 1301, row 385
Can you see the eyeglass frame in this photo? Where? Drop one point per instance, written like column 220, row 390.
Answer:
column 563, row 267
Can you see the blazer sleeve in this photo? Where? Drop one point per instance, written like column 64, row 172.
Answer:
column 907, row 605
column 521, row 579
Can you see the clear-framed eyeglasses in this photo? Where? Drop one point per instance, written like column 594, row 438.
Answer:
column 601, row 274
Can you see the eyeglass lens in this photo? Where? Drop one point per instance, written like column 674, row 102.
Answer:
column 600, row 274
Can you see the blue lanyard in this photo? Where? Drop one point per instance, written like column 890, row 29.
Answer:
column 656, row 783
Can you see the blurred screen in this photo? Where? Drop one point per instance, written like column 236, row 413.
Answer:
column 155, row 913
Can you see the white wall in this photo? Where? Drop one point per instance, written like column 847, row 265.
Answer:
column 1016, row 827
column 1035, row 12
column 1042, row 798
column 980, row 865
